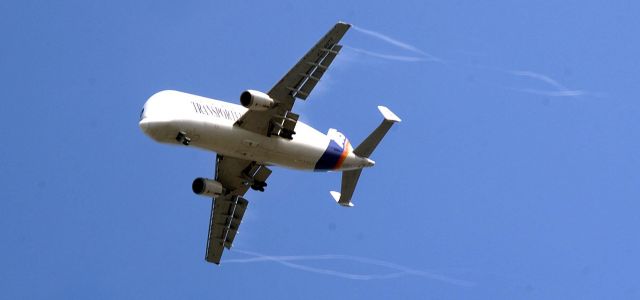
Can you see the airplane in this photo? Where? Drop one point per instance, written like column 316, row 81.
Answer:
column 260, row 133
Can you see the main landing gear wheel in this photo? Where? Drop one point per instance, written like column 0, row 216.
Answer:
column 183, row 138
column 259, row 186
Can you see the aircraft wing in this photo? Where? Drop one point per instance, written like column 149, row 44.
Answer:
column 297, row 83
column 236, row 176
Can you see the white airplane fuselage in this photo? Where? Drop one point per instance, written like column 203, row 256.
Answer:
column 210, row 123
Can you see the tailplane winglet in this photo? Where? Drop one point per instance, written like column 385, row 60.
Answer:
column 388, row 114
column 336, row 196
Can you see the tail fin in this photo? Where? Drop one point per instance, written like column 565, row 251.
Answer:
column 350, row 178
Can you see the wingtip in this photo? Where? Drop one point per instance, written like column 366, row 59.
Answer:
column 344, row 23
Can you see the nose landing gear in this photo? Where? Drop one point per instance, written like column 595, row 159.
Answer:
column 183, row 138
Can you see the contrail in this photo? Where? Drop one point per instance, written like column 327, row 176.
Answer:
column 400, row 270
column 391, row 57
column 567, row 93
column 540, row 77
column 389, row 40
column 561, row 90
column 394, row 42
column 558, row 90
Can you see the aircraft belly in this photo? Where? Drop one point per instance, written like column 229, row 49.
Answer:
column 171, row 112
column 221, row 136
column 226, row 139
column 294, row 154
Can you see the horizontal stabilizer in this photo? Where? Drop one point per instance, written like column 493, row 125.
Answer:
column 349, row 181
column 371, row 142
column 364, row 150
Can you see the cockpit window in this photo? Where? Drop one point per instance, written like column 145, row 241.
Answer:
column 141, row 113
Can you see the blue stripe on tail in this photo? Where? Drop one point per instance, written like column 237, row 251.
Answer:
column 330, row 157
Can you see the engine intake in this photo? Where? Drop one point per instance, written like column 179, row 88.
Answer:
column 207, row 187
column 255, row 100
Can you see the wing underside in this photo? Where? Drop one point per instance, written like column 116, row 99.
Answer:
column 303, row 77
column 226, row 216
column 236, row 176
column 297, row 83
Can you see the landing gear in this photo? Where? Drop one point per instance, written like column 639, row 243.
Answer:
column 258, row 185
column 255, row 176
column 183, row 138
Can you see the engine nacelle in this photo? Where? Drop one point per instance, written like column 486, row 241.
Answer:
column 207, row 187
column 255, row 100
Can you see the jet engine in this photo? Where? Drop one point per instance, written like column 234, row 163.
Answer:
column 207, row 187
column 255, row 100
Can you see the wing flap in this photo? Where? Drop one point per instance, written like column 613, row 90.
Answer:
column 297, row 83
column 215, row 239
column 315, row 73
column 227, row 211
column 305, row 74
column 234, row 224
column 226, row 218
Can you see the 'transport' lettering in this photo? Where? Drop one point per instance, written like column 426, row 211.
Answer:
column 219, row 112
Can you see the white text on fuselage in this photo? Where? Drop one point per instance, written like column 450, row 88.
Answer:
column 215, row 111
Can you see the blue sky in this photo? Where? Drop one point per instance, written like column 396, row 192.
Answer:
column 514, row 174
